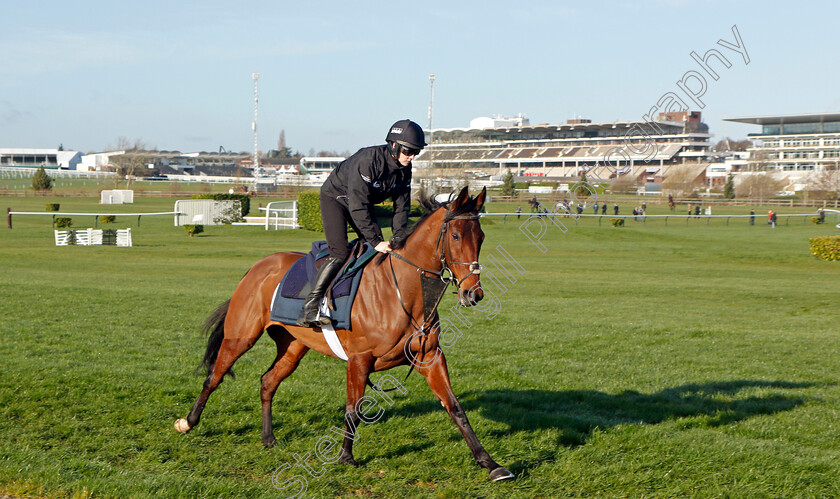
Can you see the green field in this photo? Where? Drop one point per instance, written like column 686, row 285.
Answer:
column 695, row 358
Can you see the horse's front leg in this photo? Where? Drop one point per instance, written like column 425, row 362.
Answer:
column 358, row 370
column 437, row 375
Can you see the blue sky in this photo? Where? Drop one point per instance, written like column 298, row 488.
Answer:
column 335, row 75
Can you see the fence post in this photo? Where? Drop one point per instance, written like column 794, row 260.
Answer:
column 9, row 216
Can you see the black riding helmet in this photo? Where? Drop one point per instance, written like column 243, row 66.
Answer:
column 406, row 134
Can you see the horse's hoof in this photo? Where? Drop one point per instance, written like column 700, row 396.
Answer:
column 349, row 461
column 269, row 442
column 501, row 473
column 182, row 426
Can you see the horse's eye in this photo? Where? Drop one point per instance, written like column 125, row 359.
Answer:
column 455, row 236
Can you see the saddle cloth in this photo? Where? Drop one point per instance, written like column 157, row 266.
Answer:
column 287, row 304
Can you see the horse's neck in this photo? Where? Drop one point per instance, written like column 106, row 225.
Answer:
column 421, row 247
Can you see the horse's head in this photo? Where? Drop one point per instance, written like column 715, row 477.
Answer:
column 462, row 236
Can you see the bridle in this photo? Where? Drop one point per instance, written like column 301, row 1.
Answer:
column 442, row 280
column 445, row 260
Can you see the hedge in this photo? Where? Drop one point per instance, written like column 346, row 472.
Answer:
column 52, row 206
column 826, row 247
column 107, row 219
column 194, row 229
column 244, row 200
column 63, row 222
column 617, row 222
column 309, row 211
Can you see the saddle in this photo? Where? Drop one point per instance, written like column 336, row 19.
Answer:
column 287, row 305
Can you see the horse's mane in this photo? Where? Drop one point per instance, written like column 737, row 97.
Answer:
column 429, row 206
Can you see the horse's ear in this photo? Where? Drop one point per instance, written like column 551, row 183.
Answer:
column 462, row 198
column 479, row 200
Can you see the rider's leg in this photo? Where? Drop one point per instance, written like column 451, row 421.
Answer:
column 333, row 216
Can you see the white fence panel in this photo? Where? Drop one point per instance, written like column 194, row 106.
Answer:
column 116, row 196
column 205, row 211
column 124, row 237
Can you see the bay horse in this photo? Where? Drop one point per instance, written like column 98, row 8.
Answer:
column 389, row 323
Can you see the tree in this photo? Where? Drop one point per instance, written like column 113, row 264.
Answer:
column 624, row 184
column 826, row 185
column 282, row 150
column 281, row 141
column 508, row 188
column 758, row 186
column 727, row 144
column 681, row 180
column 729, row 187
column 131, row 163
column 41, row 181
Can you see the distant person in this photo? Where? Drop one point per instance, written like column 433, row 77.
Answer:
column 604, row 208
column 595, row 207
column 689, row 209
column 752, row 217
column 772, row 219
column 518, row 212
column 821, row 215
column 615, row 209
column 697, row 211
column 644, row 207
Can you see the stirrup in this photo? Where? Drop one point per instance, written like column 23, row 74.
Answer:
column 306, row 320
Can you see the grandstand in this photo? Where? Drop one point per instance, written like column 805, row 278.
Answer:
column 602, row 150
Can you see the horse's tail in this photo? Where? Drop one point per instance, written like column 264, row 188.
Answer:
column 215, row 326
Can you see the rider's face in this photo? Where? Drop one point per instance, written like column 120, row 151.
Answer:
column 405, row 159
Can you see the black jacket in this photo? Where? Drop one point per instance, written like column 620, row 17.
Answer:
column 367, row 178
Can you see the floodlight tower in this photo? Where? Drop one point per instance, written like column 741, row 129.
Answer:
column 431, row 107
column 256, row 77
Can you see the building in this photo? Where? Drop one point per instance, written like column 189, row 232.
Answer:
column 794, row 147
column 499, row 121
column 723, row 165
column 640, row 149
column 50, row 159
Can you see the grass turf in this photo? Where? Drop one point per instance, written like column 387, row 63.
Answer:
column 648, row 360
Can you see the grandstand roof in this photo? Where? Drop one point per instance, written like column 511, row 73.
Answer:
column 787, row 118
column 567, row 126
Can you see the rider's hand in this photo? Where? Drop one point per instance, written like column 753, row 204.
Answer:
column 383, row 247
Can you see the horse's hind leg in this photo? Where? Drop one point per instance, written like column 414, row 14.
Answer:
column 230, row 350
column 235, row 329
column 289, row 353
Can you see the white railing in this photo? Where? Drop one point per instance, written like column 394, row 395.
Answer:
column 281, row 215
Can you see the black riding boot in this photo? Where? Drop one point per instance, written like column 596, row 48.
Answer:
column 313, row 302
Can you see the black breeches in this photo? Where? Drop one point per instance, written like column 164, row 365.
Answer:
column 335, row 218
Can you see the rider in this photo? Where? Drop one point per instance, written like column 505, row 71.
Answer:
column 366, row 178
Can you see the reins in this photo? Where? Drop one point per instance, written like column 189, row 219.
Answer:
column 433, row 287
